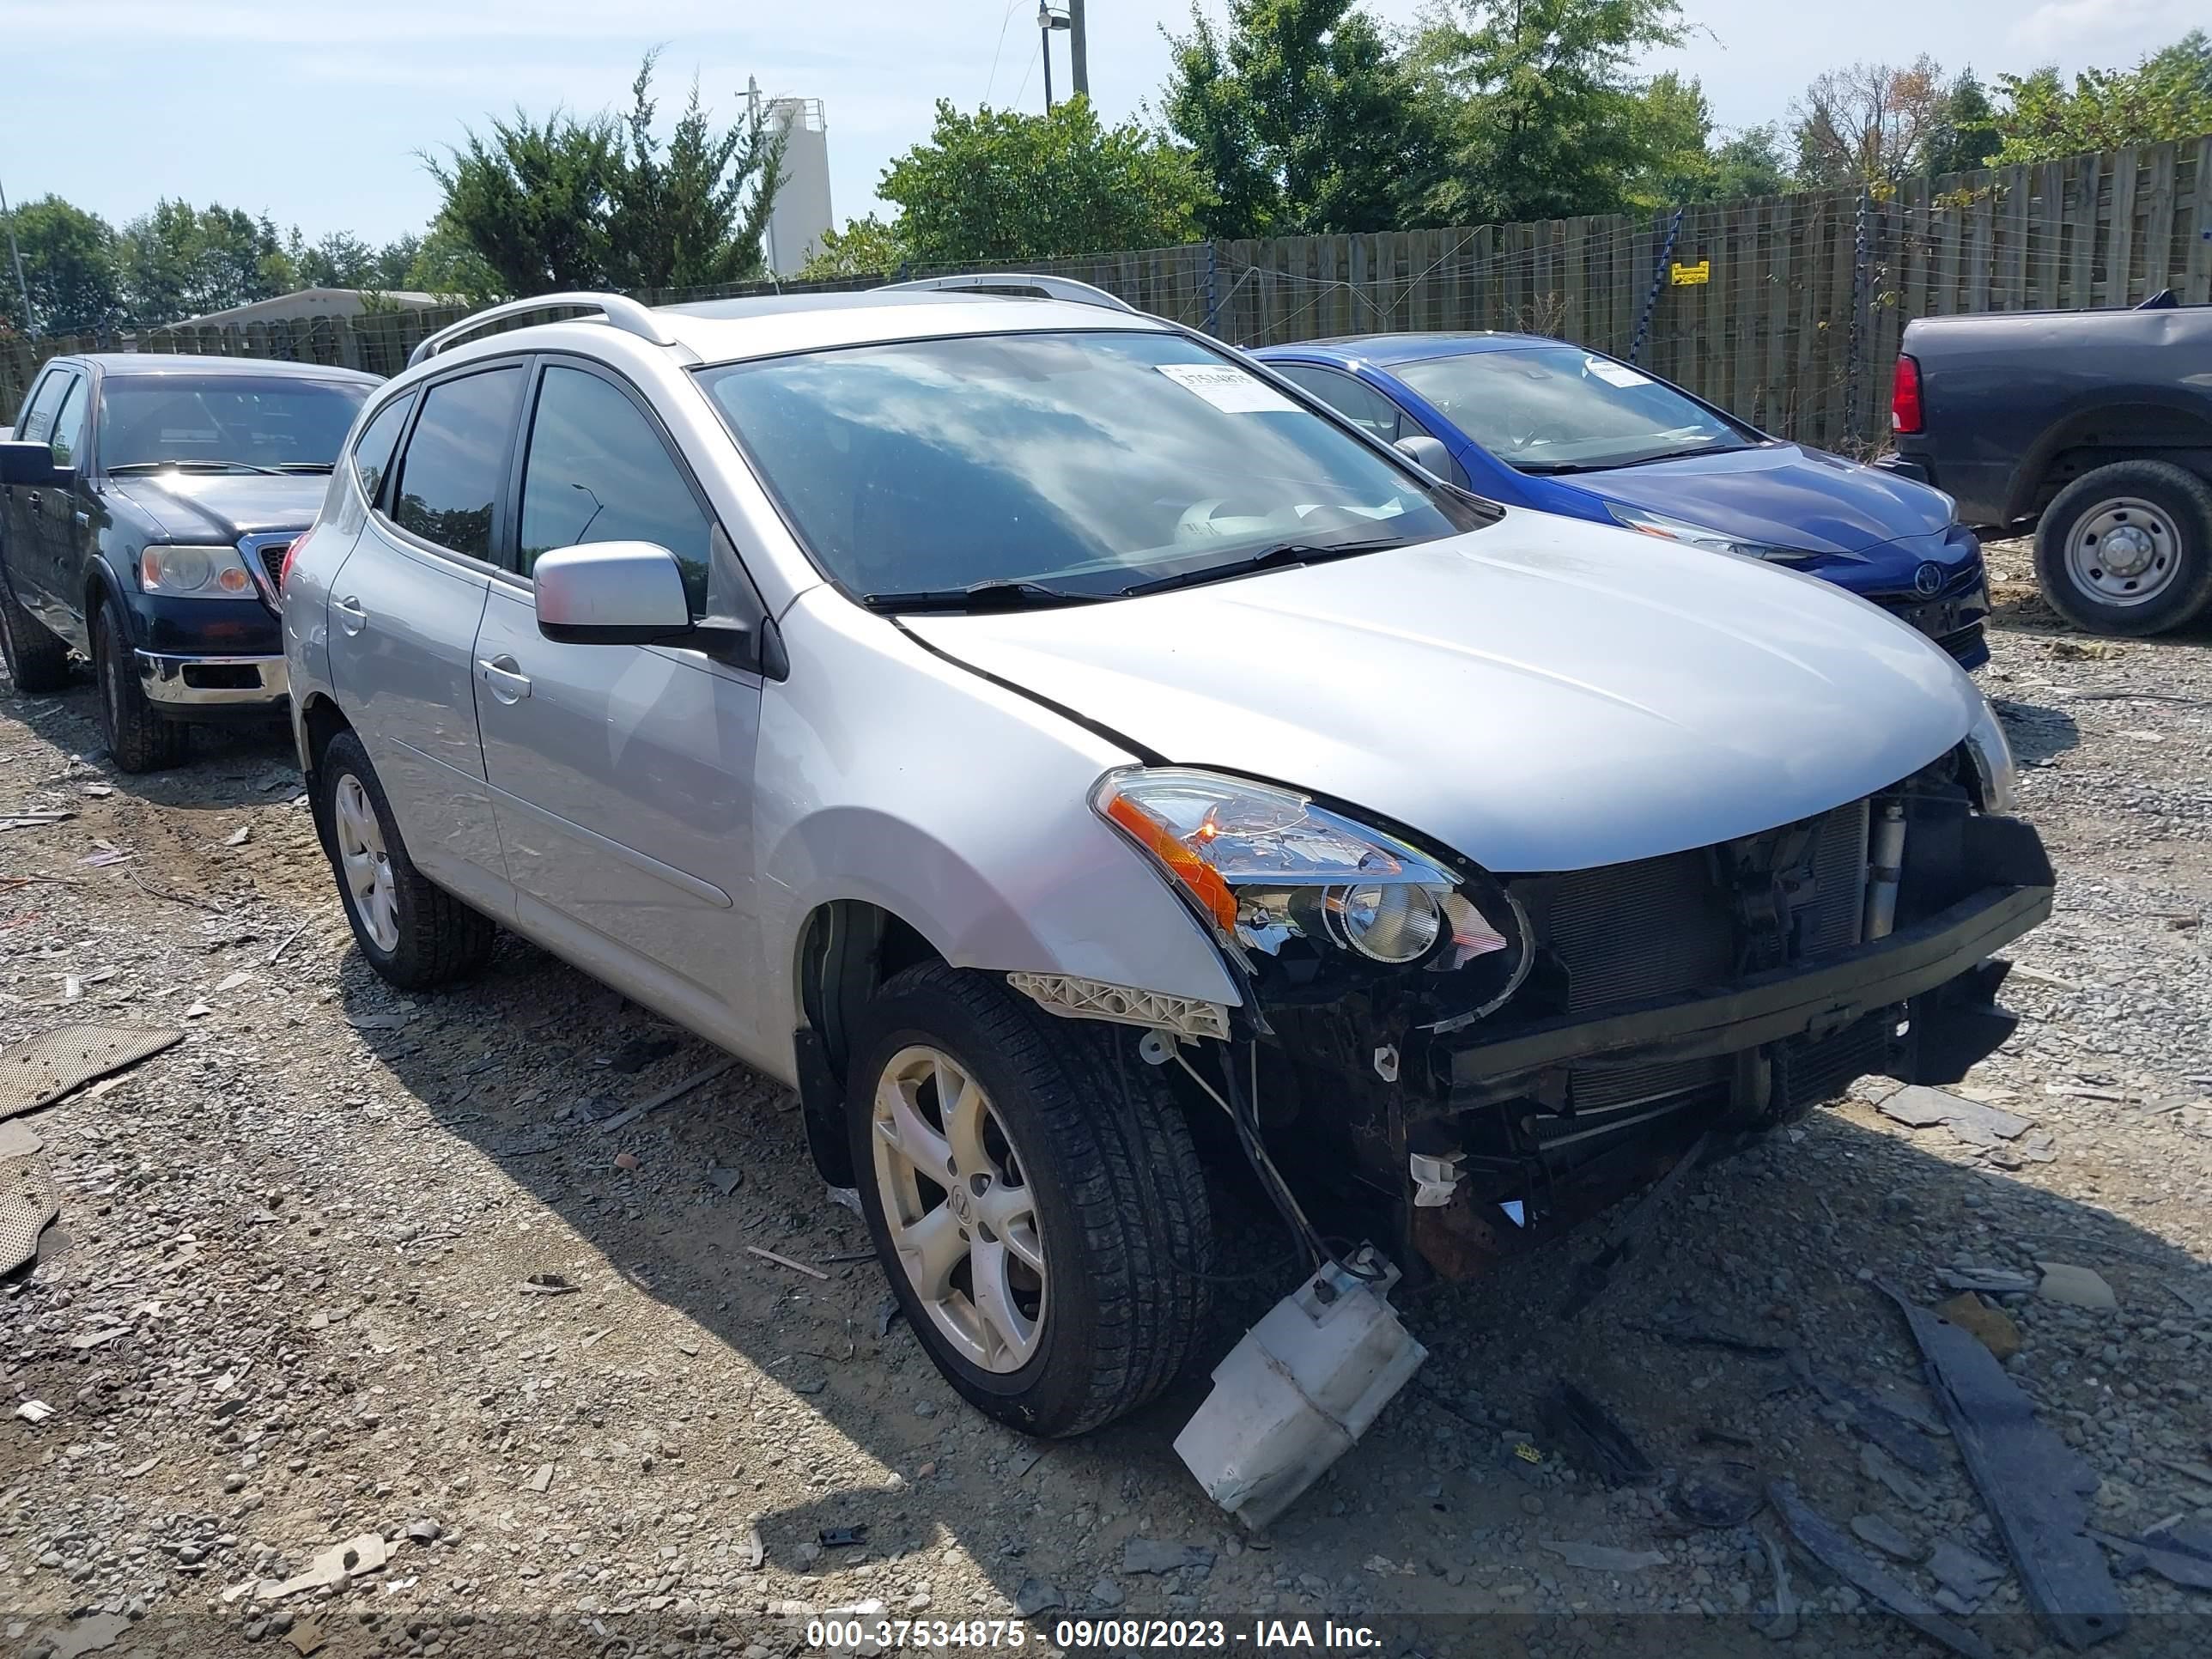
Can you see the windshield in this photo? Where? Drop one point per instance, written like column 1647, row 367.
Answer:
column 1559, row 408
column 1077, row 464
column 240, row 422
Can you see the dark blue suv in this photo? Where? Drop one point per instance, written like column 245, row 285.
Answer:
column 1536, row 422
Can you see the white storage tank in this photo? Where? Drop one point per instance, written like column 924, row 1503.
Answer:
column 802, row 212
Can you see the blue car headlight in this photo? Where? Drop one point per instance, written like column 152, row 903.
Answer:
column 1648, row 523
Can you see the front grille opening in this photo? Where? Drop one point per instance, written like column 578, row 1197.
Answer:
column 223, row 677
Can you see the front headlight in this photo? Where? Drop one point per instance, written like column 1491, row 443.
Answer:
column 1690, row 535
column 1993, row 761
column 1268, row 865
column 195, row 573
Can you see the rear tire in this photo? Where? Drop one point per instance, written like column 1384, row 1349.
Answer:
column 2127, row 548
column 1078, row 1155
column 414, row 933
column 140, row 737
column 36, row 660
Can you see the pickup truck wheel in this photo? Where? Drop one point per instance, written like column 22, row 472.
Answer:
column 414, row 933
column 1035, row 1198
column 37, row 661
column 140, row 739
column 2128, row 548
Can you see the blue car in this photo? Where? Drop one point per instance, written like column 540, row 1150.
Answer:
column 1535, row 422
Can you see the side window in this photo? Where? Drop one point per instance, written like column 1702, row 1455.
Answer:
column 1349, row 398
column 450, row 477
column 372, row 456
column 68, row 439
column 598, row 472
column 37, row 424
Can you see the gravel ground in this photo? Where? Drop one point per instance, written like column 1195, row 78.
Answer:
column 288, row 1300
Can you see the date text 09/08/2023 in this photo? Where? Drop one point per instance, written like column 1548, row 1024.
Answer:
column 1084, row 1635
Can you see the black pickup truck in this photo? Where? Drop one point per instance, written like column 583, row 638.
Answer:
column 2095, row 426
column 145, row 506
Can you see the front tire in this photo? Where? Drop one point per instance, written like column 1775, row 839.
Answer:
column 36, row 660
column 140, row 737
column 414, row 933
column 1035, row 1198
column 2127, row 548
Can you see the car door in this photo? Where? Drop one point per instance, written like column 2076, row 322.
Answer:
column 63, row 513
column 621, row 773
column 24, row 537
column 1364, row 406
column 404, row 610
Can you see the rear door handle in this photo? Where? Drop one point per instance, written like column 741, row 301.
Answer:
column 351, row 617
column 508, row 684
column 31, row 498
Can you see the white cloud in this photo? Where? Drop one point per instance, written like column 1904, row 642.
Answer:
column 2104, row 32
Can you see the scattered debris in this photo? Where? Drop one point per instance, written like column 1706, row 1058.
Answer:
column 425, row 1531
column 1036, row 1596
column 305, row 1636
column 1154, row 1555
column 1783, row 1624
column 842, row 1538
column 541, row 1478
column 751, row 1550
column 230, row 982
column 2077, row 1287
column 549, row 1284
column 1719, row 1494
column 238, row 836
column 666, row 1096
column 2036, row 1487
column 285, row 943
column 1991, row 1327
column 1887, row 1536
column 363, row 1554
column 1966, row 1575
column 1594, row 1275
column 640, row 1052
column 1918, row 1106
column 887, row 1314
column 1898, row 1427
column 1990, row 1281
column 90, row 1340
column 34, row 1411
column 626, row 1160
column 1595, row 1437
column 1599, row 1557
column 785, row 1261
column 1878, row 1466
column 1820, row 1540
column 40, row 1071
column 93, row 1635
column 723, row 1180
column 1687, row 1325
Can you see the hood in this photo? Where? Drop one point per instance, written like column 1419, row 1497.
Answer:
column 1541, row 695
column 220, row 507
column 1781, row 494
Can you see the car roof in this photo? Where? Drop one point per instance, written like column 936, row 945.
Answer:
column 1384, row 349
column 729, row 331
column 114, row 364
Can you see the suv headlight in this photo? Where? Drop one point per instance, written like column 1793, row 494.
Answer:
column 1266, row 866
column 195, row 573
column 1692, row 535
column 1993, row 761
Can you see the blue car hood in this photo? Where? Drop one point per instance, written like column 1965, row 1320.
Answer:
column 1781, row 494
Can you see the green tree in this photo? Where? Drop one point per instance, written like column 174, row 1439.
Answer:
column 1304, row 117
column 1968, row 136
column 446, row 263
column 393, row 261
column 1002, row 185
column 68, row 265
column 341, row 260
column 1679, row 162
column 533, row 199
column 693, row 216
column 1872, row 122
column 866, row 248
column 2168, row 94
column 1546, row 121
column 179, row 261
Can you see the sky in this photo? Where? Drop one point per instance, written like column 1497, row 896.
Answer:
column 319, row 116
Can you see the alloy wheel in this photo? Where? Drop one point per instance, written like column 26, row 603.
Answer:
column 368, row 867
column 961, row 1215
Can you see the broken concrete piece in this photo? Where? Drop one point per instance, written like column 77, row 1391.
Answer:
column 1885, row 1536
column 94, row 1635
column 541, row 1478
column 1820, row 1540
column 1598, row 1558
column 1036, row 1596
column 1966, row 1575
column 1991, row 1327
column 1918, row 1106
column 2077, row 1287
column 305, row 1638
column 355, row 1556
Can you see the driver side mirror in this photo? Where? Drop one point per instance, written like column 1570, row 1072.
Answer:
column 32, row 463
column 1426, row 452
column 611, row 593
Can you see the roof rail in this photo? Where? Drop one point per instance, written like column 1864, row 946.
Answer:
column 1020, row 285
column 619, row 309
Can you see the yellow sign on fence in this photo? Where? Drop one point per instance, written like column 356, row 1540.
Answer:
column 1690, row 276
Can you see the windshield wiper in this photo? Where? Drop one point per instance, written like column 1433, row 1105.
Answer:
column 303, row 466
column 981, row 596
column 198, row 466
column 1553, row 469
column 1283, row 555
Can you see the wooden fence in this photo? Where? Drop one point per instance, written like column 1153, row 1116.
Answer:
column 1793, row 327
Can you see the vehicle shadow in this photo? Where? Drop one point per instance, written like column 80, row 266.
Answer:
column 228, row 765
column 2037, row 732
column 523, row 1063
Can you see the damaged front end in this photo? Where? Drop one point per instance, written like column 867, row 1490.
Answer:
column 1459, row 1066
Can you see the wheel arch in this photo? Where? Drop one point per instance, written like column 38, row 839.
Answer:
column 314, row 723
column 2148, row 423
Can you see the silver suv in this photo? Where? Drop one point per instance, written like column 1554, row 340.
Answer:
column 1064, row 752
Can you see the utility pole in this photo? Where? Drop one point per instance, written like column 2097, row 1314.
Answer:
column 1079, row 49
column 1048, row 20
column 30, row 322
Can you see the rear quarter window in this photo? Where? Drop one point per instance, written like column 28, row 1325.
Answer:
column 456, row 460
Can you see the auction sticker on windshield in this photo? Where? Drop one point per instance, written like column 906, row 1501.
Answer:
column 1614, row 374
column 1228, row 389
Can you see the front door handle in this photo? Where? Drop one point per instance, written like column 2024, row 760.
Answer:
column 351, row 617
column 31, row 498
column 508, row 684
